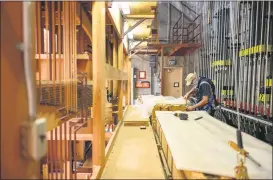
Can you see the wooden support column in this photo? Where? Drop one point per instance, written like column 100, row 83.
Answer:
column 129, row 80
column 129, row 83
column 14, row 111
column 162, row 70
column 115, row 63
column 98, row 57
column 120, row 84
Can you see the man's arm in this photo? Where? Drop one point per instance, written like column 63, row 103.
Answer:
column 203, row 102
column 187, row 95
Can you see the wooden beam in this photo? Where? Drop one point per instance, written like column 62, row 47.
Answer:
column 110, row 18
column 46, row 56
column 120, row 83
column 98, row 55
column 129, row 80
column 115, row 63
column 162, row 70
column 112, row 73
column 148, row 16
column 14, row 111
column 86, row 24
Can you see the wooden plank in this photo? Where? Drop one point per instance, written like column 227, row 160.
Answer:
column 98, row 55
column 115, row 63
column 111, row 19
column 162, row 70
column 112, row 73
column 14, row 109
column 45, row 56
column 213, row 136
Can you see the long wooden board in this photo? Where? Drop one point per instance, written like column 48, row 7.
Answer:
column 202, row 146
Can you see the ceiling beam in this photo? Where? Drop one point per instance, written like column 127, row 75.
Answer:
column 148, row 16
column 134, row 26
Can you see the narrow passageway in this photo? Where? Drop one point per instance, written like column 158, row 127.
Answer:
column 134, row 154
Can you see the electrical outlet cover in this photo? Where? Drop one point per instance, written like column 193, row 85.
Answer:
column 39, row 142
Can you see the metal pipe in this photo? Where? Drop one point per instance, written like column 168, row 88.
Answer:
column 245, row 67
column 169, row 20
column 28, row 59
column 253, row 98
column 250, row 61
column 266, row 55
column 248, row 116
column 260, row 59
column 223, row 50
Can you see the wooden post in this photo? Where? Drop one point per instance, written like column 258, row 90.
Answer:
column 115, row 64
column 14, row 111
column 120, row 86
column 129, row 80
column 162, row 70
column 98, row 57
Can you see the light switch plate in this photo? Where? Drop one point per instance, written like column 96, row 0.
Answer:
column 38, row 147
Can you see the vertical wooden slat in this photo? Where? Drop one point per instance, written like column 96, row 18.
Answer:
column 47, row 51
column 129, row 80
column 39, row 42
column 115, row 63
column 65, row 146
column 120, row 84
column 53, row 26
column 162, row 70
column 51, row 160
column 98, row 57
column 59, row 51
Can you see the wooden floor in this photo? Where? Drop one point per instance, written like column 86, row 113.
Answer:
column 134, row 154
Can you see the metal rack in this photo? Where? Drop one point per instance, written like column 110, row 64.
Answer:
column 237, row 39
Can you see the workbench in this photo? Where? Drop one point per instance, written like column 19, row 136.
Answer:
column 134, row 154
column 194, row 148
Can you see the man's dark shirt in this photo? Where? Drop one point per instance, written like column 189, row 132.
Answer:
column 205, row 89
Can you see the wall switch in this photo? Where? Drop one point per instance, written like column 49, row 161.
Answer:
column 38, row 142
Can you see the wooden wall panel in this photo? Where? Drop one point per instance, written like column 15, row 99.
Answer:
column 14, row 105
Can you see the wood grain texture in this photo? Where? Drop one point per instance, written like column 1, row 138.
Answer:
column 134, row 154
column 202, row 146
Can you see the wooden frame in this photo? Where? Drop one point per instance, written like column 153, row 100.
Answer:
column 142, row 75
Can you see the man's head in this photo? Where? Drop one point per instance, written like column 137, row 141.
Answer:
column 191, row 79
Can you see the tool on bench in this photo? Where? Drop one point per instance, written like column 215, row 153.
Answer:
column 198, row 118
column 244, row 152
column 142, row 127
column 182, row 116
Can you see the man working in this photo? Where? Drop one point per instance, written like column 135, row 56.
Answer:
column 205, row 93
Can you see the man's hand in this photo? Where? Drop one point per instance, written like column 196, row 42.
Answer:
column 186, row 96
column 190, row 108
